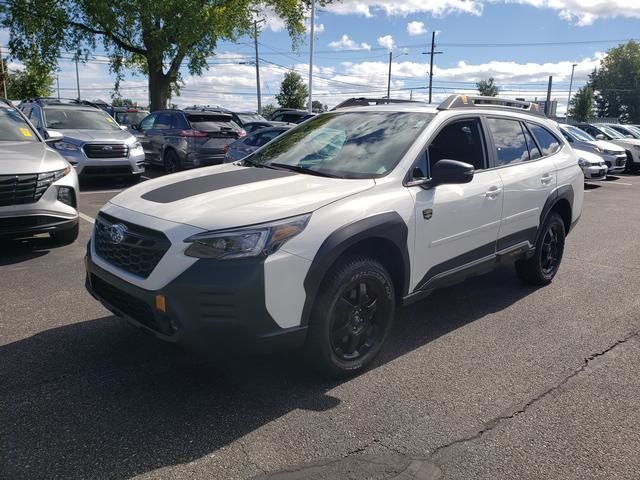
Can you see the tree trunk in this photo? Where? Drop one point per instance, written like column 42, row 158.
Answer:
column 159, row 84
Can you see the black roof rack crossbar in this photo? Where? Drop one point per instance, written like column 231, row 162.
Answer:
column 467, row 101
column 366, row 102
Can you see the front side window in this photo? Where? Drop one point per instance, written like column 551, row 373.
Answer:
column 14, row 128
column 147, row 123
column 509, row 141
column 345, row 144
column 78, row 119
column 577, row 134
column 460, row 140
column 163, row 122
column 549, row 144
column 611, row 133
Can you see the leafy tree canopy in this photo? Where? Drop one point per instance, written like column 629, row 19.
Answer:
column 487, row 88
column 581, row 106
column 34, row 80
column 293, row 91
column 153, row 37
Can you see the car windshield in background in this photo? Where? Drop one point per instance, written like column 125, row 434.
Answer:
column 130, row 118
column 613, row 133
column 78, row 119
column 347, row 145
column 579, row 135
column 251, row 117
column 13, row 127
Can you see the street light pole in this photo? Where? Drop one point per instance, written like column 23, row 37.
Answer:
column 431, row 54
column 573, row 67
column 389, row 78
column 255, row 37
column 77, row 77
column 313, row 24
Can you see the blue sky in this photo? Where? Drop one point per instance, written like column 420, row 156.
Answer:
column 479, row 38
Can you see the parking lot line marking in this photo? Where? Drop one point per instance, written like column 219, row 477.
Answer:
column 101, row 191
column 86, row 217
column 620, row 183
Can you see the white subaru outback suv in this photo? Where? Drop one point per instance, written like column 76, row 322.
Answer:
column 316, row 238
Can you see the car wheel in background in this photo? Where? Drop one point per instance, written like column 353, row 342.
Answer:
column 66, row 237
column 171, row 162
column 543, row 266
column 351, row 317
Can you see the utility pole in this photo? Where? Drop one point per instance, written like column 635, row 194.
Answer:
column 58, row 83
column 573, row 67
column 4, row 77
column 389, row 78
column 255, row 37
column 77, row 76
column 547, row 105
column 431, row 54
column 411, row 95
column 313, row 25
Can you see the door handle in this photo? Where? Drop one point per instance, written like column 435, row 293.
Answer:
column 546, row 178
column 493, row 192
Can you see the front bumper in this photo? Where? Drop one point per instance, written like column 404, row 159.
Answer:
column 106, row 167
column 594, row 172
column 210, row 305
column 615, row 163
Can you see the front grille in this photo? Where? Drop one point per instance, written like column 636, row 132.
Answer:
column 101, row 150
column 139, row 251
column 106, row 170
column 129, row 305
column 24, row 189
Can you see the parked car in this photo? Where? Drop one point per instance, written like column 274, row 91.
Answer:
column 614, row 156
column 255, row 126
column 92, row 140
column 181, row 139
column 290, row 115
column 129, row 116
column 593, row 167
column 38, row 187
column 316, row 238
column 240, row 118
column 631, row 145
column 628, row 131
column 249, row 144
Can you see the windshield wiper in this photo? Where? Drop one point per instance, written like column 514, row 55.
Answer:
column 307, row 170
column 254, row 164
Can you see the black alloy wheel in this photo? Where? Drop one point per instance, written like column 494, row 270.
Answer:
column 171, row 162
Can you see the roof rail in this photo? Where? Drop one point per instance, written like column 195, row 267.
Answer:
column 366, row 102
column 466, row 101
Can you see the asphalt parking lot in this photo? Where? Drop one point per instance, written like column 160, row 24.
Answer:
column 488, row 379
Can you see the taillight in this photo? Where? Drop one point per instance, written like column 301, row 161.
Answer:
column 242, row 133
column 192, row 133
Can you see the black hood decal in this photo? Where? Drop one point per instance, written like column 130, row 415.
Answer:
column 217, row 181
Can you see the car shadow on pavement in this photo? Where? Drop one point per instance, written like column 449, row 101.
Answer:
column 18, row 251
column 99, row 399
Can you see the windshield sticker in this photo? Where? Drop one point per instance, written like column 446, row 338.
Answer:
column 420, row 124
column 26, row 132
column 110, row 120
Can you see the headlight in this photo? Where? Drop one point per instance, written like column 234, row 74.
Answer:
column 254, row 241
column 597, row 149
column 66, row 146
column 583, row 163
column 135, row 146
column 613, row 152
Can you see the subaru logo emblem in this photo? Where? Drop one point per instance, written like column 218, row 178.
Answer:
column 117, row 233
column 107, row 148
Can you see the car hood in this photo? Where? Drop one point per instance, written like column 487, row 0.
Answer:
column 625, row 142
column 80, row 136
column 227, row 196
column 18, row 158
column 605, row 145
column 589, row 156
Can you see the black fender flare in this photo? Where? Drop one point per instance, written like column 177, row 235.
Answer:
column 387, row 226
column 563, row 192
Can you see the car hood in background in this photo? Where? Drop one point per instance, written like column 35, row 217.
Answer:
column 589, row 156
column 81, row 136
column 606, row 145
column 18, row 158
column 228, row 196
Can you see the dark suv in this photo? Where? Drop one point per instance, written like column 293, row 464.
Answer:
column 179, row 139
column 290, row 115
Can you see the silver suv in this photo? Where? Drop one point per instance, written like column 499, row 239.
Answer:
column 38, row 188
column 93, row 142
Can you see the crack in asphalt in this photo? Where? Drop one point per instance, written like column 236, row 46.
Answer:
column 492, row 424
column 249, row 459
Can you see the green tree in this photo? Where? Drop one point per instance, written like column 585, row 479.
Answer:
column 3, row 76
column 293, row 91
column 153, row 37
column 34, row 80
column 267, row 110
column 318, row 107
column 581, row 105
column 118, row 101
column 487, row 88
column 617, row 83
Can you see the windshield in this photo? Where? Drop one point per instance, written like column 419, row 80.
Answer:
column 130, row 118
column 611, row 132
column 634, row 129
column 78, row 119
column 578, row 134
column 251, row 117
column 347, row 145
column 626, row 130
column 14, row 128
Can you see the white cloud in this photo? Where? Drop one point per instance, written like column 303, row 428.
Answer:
column 585, row 12
column 386, row 42
column 369, row 8
column 319, row 27
column 416, row 28
column 345, row 43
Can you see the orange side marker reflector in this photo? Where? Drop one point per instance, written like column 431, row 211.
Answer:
column 161, row 303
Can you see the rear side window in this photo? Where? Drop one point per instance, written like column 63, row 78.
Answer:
column 180, row 122
column 547, row 141
column 509, row 141
column 534, row 152
column 163, row 121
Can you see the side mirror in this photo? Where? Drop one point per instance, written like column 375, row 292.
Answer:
column 451, row 172
column 124, row 127
column 53, row 136
column 600, row 136
column 628, row 135
column 134, row 127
